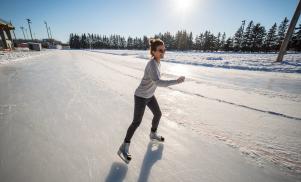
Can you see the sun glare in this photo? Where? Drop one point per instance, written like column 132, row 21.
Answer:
column 183, row 6
column 178, row 69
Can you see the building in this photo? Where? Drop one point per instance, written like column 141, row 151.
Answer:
column 5, row 34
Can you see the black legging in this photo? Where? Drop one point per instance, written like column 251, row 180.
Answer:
column 139, row 109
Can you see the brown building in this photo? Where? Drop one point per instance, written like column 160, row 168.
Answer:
column 5, row 34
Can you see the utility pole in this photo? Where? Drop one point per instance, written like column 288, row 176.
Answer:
column 26, row 33
column 47, row 29
column 14, row 35
column 289, row 33
column 29, row 22
column 22, row 28
column 50, row 33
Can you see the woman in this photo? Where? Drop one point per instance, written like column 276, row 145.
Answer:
column 144, row 96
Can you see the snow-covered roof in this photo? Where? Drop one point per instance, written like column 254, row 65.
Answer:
column 4, row 23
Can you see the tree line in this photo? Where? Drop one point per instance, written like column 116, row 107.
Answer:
column 250, row 37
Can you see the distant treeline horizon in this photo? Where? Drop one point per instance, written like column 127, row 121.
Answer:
column 250, row 37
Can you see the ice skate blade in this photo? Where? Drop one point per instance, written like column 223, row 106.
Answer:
column 119, row 153
column 155, row 140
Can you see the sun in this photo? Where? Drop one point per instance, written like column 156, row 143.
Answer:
column 183, row 6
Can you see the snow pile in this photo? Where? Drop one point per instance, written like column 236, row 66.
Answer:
column 18, row 54
column 240, row 61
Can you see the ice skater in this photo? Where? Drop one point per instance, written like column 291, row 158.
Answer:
column 144, row 96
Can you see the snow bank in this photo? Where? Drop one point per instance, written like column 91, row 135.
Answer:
column 253, row 62
column 18, row 54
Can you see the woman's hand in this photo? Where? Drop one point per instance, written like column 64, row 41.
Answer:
column 181, row 79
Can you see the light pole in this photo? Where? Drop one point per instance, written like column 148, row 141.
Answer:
column 26, row 33
column 47, row 29
column 22, row 28
column 50, row 32
column 14, row 34
column 289, row 33
column 29, row 22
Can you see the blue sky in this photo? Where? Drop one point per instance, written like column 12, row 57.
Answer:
column 141, row 17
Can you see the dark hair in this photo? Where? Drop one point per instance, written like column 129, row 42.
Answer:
column 154, row 43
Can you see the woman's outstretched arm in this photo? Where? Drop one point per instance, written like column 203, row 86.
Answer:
column 155, row 77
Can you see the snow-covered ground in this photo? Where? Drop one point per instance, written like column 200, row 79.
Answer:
column 63, row 116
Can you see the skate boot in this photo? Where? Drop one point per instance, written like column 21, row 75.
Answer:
column 155, row 137
column 123, row 152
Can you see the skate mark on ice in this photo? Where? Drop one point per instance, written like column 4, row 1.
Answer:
column 240, row 105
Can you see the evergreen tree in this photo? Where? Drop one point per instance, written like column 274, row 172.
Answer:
column 122, row 43
column 206, row 45
column 190, row 41
column 238, row 37
column 183, row 44
column 223, row 41
column 84, row 41
column 271, row 39
column 130, row 43
column 76, row 42
column 218, row 42
column 296, row 39
column 247, row 37
column 181, row 40
column 168, row 40
column 212, row 42
column 71, row 40
column 258, row 34
column 253, row 38
column 229, row 44
column 197, row 43
column 281, row 32
column 145, row 43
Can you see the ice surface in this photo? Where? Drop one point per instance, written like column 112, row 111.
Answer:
column 63, row 116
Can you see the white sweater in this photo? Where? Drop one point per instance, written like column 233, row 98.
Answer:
column 151, row 80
